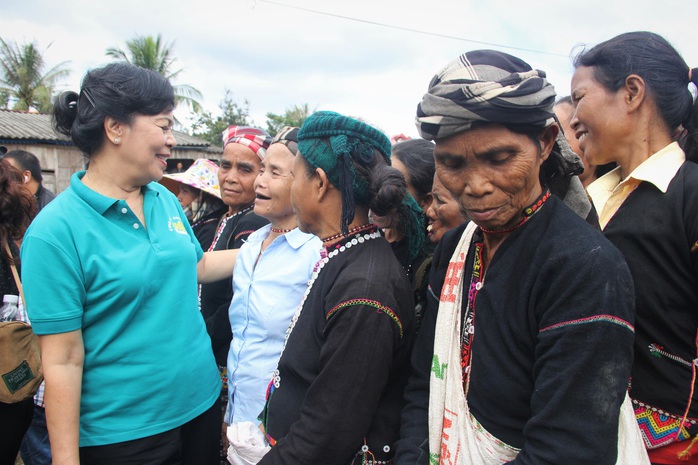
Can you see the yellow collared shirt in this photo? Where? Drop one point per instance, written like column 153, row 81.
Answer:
column 609, row 192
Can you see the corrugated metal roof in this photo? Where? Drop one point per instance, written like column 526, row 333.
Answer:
column 25, row 126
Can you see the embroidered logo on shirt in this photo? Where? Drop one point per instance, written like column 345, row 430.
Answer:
column 175, row 224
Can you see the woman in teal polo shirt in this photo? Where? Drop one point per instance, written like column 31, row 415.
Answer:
column 110, row 274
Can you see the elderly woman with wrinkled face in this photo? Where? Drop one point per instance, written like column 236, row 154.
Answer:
column 336, row 395
column 271, row 274
column 524, row 352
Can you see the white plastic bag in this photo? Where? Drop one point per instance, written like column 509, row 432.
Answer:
column 247, row 443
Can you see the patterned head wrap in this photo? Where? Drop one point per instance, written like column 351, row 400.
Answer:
column 256, row 139
column 487, row 86
column 334, row 143
column 288, row 135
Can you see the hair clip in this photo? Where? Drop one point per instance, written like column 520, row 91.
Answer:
column 89, row 98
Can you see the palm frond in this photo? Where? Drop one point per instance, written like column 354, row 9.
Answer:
column 155, row 54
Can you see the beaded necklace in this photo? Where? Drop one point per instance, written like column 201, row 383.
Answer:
column 326, row 256
column 528, row 213
column 355, row 230
column 281, row 231
column 224, row 221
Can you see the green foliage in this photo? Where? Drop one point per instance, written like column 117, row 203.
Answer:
column 154, row 54
column 22, row 77
column 209, row 128
column 292, row 117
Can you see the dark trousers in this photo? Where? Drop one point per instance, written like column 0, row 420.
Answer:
column 14, row 422
column 36, row 448
column 194, row 443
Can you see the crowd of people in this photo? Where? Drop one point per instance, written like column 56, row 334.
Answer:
column 519, row 285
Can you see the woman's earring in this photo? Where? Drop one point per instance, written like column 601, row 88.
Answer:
column 117, row 140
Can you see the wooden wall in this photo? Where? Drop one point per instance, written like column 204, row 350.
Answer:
column 59, row 162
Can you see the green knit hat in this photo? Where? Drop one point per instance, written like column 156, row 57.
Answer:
column 334, row 142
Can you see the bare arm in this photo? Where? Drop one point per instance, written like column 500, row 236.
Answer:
column 62, row 357
column 216, row 265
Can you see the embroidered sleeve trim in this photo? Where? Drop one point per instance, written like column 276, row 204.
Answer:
column 243, row 233
column 592, row 319
column 369, row 303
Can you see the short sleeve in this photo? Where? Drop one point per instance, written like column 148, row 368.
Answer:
column 53, row 286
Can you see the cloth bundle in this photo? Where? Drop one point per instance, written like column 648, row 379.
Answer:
column 247, row 443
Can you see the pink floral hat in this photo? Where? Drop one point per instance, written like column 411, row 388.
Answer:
column 202, row 174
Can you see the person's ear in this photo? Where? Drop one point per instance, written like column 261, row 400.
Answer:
column 634, row 92
column 547, row 138
column 113, row 129
column 322, row 183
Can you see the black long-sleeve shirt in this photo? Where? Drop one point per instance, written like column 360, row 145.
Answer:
column 346, row 363
column 552, row 349
column 658, row 235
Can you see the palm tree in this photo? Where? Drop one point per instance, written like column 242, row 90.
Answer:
column 22, row 77
column 293, row 116
column 151, row 53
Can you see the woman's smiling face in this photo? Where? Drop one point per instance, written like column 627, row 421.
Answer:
column 599, row 121
column 273, row 184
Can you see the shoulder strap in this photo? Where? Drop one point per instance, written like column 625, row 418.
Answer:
column 420, row 275
column 18, row 282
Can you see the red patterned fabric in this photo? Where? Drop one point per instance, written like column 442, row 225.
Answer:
column 256, row 139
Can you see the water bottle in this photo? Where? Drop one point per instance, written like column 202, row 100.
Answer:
column 9, row 310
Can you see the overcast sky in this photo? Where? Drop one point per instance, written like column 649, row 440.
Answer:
column 276, row 57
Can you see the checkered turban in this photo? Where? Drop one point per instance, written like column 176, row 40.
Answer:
column 256, row 139
column 487, row 86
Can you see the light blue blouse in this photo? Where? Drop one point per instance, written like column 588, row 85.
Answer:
column 265, row 299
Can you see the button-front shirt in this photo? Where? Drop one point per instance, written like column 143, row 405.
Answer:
column 268, row 287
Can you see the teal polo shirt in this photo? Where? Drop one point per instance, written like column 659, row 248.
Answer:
column 89, row 264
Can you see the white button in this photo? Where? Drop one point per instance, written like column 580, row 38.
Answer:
column 386, row 448
column 478, row 286
column 136, row 226
column 124, row 210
